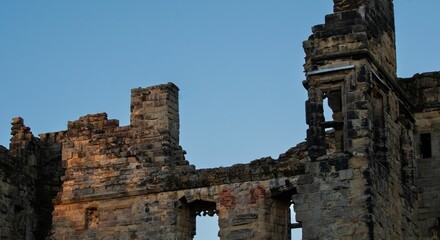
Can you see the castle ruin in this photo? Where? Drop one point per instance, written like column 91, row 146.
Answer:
column 370, row 172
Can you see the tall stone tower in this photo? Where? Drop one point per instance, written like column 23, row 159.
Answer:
column 366, row 149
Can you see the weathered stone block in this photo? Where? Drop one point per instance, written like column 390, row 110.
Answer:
column 240, row 234
column 244, row 219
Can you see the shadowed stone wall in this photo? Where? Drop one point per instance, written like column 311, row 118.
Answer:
column 368, row 172
column 30, row 179
column 424, row 90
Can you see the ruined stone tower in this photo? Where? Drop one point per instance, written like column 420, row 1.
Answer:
column 369, row 172
column 351, row 65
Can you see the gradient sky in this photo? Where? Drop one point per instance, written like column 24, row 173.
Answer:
column 238, row 65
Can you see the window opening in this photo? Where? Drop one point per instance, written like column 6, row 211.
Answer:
column 328, row 113
column 283, row 217
column 333, row 120
column 296, row 227
column 197, row 220
column 18, row 229
column 92, row 218
column 425, row 145
column 206, row 227
column 206, row 220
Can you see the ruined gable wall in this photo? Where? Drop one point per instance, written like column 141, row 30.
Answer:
column 107, row 192
column 102, row 158
column 107, row 163
column 133, row 181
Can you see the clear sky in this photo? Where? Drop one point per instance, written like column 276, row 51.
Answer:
column 238, row 65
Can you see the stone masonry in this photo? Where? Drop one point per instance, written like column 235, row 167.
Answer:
column 370, row 172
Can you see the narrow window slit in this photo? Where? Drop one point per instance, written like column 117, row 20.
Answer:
column 425, row 145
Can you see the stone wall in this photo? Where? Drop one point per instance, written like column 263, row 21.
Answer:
column 332, row 198
column 350, row 62
column 424, row 89
column 369, row 172
column 136, row 178
column 97, row 180
column 245, row 210
column 29, row 181
column 17, row 218
column 357, row 28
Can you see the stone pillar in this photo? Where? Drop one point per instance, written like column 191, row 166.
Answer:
column 315, row 118
column 155, row 111
column 24, row 147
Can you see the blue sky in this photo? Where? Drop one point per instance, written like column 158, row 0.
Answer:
column 238, row 65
